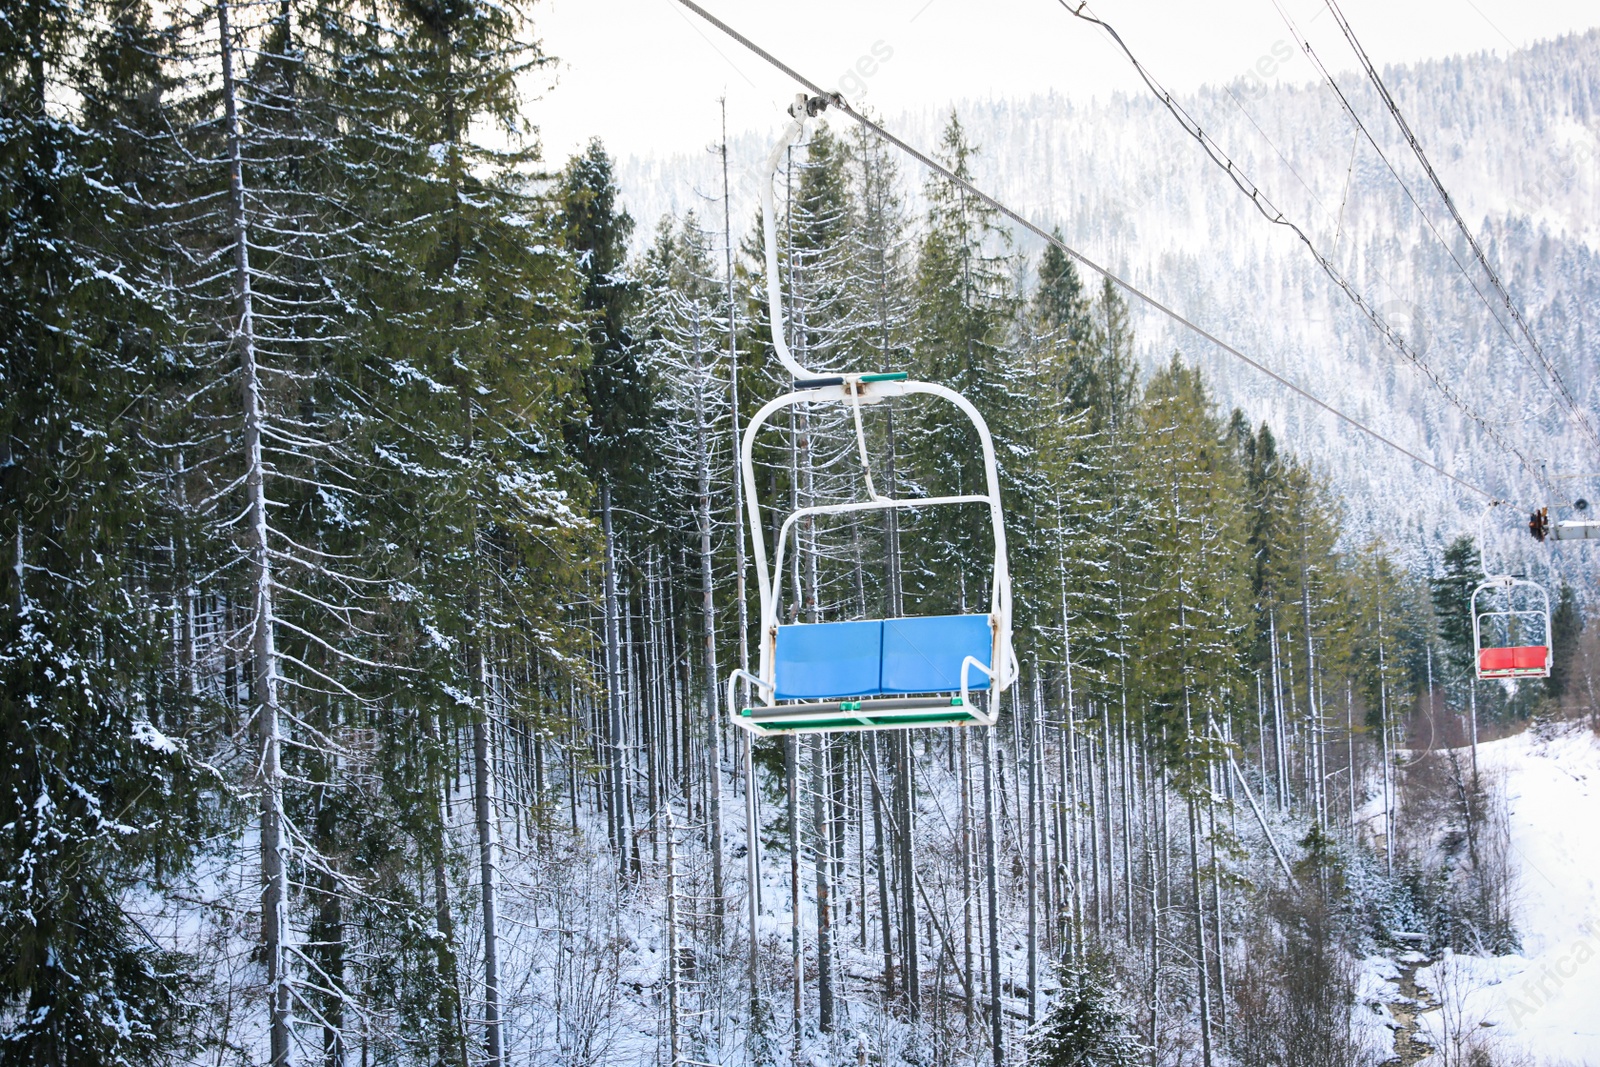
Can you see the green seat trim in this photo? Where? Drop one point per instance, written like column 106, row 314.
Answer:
column 780, row 726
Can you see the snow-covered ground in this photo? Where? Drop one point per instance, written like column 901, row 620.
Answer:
column 1543, row 1002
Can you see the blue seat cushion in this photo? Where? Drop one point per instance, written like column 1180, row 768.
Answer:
column 828, row 660
column 924, row 655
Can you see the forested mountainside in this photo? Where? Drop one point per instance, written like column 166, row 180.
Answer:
column 374, row 576
column 1516, row 139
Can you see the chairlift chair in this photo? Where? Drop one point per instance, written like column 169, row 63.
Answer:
column 868, row 674
column 1511, row 661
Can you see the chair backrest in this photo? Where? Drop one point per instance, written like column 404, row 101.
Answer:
column 835, row 660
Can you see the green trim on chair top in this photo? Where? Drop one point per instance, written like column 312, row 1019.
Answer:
column 892, row 376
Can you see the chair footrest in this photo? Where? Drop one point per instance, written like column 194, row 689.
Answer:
column 866, row 707
column 831, row 716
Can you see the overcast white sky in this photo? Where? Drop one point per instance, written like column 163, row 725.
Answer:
column 645, row 75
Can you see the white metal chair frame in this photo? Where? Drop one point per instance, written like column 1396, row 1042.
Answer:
column 857, row 390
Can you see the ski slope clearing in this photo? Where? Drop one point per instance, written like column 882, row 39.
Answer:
column 1545, row 1001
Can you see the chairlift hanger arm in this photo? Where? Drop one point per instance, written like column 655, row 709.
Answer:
column 831, row 659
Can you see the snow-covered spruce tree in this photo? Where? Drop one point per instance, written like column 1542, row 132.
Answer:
column 1192, row 617
column 686, row 348
column 880, row 317
column 1085, row 1025
column 390, row 307
column 1566, row 628
column 471, row 352
column 1460, row 571
column 967, row 339
column 1300, row 643
column 1081, row 394
column 966, row 309
column 610, row 435
column 835, row 569
column 271, row 234
column 96, row 798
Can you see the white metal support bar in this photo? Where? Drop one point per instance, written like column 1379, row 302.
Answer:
column 857, row 390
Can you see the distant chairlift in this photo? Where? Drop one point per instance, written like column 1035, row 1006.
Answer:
column 870, row 674
column 1511, row 660
column 1579, row 529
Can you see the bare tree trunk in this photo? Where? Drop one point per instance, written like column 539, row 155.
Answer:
column 752, row 829
column 1107, row 754
column 1070, row 788
column 1216, row 900
column 752, row 822
column 1094, row 827
column 822, row 854
column 1202, row 967
column 1261, row 732
column 992, row 878
column 1039, row 763
column 883, row 873
column 1125, row 773
column 452, row 1029
column 733, row 393
column 1388, row 758
column 1033, row 859
column 796, row 937
column 483, row 789
column 1313, row 710
column 861, row 842
column 1281, row 756
column 708, row 615
column 1155, row 954
column 965, row 819
column 674, row 1023
column 613, row 666
column 1350, row 749
column 906, row 787
column 263, row 651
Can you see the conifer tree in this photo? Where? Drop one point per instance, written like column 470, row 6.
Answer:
column 617, row 393
column 1086, row 1025
column 1452, row 596
column 966, row 317
column 99, row 789
column 686, row 348
column 1566, row 627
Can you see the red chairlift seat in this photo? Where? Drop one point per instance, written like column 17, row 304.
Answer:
column 1519, row 661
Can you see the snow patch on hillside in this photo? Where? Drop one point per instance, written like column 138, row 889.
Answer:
column 1545, row 1000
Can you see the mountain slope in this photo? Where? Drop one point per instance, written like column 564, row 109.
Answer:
column 1516, row 139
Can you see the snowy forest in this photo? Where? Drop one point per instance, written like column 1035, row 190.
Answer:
column 375, row 567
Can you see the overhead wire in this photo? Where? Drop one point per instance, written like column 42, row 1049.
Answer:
column 1305, row 44
column 1361, row 127
column 838, row 101
column 1274, row 215
column 1338, row 220
column 1555, row 380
